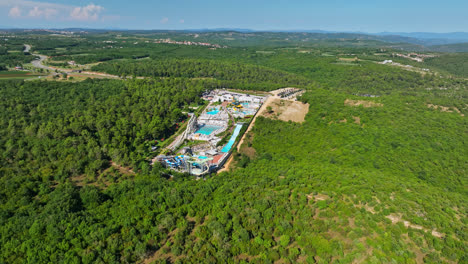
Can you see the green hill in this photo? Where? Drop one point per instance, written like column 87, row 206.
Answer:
column 363, row 179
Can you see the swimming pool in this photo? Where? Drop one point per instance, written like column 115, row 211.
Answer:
column 213, row 111
column 232, row 140
column 207, row 130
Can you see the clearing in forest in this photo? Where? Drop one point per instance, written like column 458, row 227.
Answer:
column 286, row 110
column 105, row 178
column 396, row 218
column 350, row 102
column 445, row 109
column 348, row 59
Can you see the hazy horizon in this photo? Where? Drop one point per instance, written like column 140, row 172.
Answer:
column 341, row 16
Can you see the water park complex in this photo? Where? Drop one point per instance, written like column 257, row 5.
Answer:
column 212, row 135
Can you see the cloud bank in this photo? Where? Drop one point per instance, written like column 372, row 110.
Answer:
column 87, row 13
column 21, row 9
column 14, row 12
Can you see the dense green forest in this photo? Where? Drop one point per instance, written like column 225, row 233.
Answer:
column 267, row 78
column 456, row 64
column 310, row 187
column 352, row 184
column 459, row 47
column 67, row 129
column 288, row 68
column 12, row 55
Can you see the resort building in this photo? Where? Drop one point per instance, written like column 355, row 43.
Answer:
column 210, row 127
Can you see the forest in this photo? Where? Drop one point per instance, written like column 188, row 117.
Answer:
column 190, row 68
column 351, row 184
column 12, row 55
column 456, row 64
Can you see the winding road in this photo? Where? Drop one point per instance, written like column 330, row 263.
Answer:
column 27, row 48
column 38, row 63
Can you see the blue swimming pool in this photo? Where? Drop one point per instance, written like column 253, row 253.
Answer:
column 207, row 130
column 232, row 140
column 213, row 111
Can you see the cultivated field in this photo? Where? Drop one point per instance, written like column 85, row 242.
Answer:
column 6, row 75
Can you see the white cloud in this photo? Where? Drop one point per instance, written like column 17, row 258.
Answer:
column 164, row 20
column 38, row 12
column 86, row 13
column 35, row 12
column 181, row 21
column 28, row 5
column 15, row 12
column 45, row 10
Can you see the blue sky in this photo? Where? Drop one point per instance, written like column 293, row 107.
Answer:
column 335, row 15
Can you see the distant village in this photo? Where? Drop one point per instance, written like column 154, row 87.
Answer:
column 189, row 43
column 169, row 41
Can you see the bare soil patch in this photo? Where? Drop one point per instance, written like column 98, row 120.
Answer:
column 357, row 120
column 80, row 180
column 296, row 112
column 350, row 102
column 349, row 59
column 445, row 109
column 302, row 259
column 287, row 110
column 227, row 165
column 122, row 169
column 318, row 197
column 396, row 218
column 368, row 208
column 102, row 181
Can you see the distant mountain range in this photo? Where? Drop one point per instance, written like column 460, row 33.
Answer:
column 429, row 35
column 419, row 38
column 430, row 39
column 426, row 39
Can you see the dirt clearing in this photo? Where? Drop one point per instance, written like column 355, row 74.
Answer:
column 357, row 120
column 445, row 109
column 397, row 218
column 286, row 110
